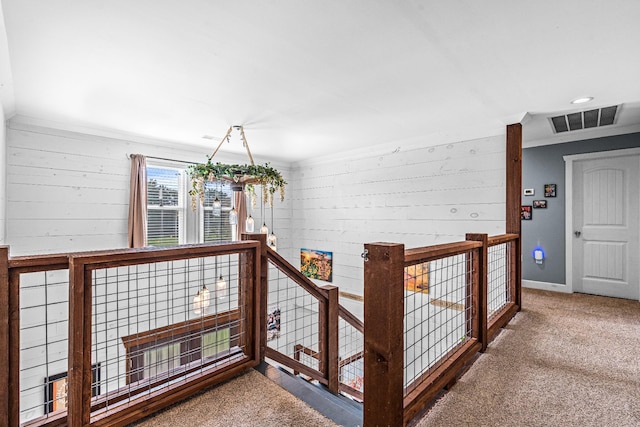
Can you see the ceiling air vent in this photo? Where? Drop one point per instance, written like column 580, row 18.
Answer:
column 584, row 119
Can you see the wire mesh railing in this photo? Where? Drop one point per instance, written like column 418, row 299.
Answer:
column 96, row 336
column 351, row 355
column 293, row 323
column 499, row 278
column 44, row 342
column 158, row 324
column 438, row 312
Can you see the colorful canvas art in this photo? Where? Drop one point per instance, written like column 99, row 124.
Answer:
column 316, row 264
column 416, row 278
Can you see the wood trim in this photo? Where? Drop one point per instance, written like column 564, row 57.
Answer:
column 261, row 292
column 430, row 253
column 446, row 304
column 331, row 335
column 479, row 286
column 181, row 328
column 295, row 365
column 514, row 198
column 351, row 391
column 35, row 263
column 349, row 295
column 384, row 333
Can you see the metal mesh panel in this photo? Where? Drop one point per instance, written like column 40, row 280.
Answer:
column 293, row 320
column 154, row 325
column 351, row 352
column 437, row 316
column 44, row 316
column 498, row 289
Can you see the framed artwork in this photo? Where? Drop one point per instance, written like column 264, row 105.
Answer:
column 525, row 213
column 549, row 190
column 540, row 204
column 273, row 323
column 55, row 389
column 316, row 264
column 416, row 278
column 529, row 191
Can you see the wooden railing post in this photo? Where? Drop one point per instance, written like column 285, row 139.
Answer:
column 4, row 330
column 480, row 284
column 329, row 340
column 384, row 334
column 79, row 374
column 514, row 199
column 261, row 293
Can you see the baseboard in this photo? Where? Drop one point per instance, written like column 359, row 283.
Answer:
column 547, row 286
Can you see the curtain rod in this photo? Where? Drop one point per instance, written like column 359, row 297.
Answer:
column 164, row 158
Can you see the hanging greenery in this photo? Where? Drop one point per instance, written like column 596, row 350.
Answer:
column 243, row 176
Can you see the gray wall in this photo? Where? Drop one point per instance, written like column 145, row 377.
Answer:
column 545, row 165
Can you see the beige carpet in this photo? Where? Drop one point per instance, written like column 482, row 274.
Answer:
column 249, row 400
column 565, row 360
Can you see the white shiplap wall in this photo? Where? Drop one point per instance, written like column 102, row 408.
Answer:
column 69, row 191
column 423, row 196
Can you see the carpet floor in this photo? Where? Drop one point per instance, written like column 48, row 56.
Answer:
column 248, row 400
column 564, row 360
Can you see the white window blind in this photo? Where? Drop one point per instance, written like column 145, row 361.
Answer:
column 165, row 214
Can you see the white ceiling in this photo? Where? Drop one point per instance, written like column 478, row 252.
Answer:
column 310, row 78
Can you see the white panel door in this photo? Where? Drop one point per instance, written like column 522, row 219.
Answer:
column 606, row 226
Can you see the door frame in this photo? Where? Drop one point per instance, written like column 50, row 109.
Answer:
column 568, row 209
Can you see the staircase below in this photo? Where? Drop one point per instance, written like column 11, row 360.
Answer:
column 341, row 410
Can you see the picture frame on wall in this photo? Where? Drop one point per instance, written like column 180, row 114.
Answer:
column 549, row 190
column 529, row 191
column 539, row 204
column 55, row 389
column 526, row 213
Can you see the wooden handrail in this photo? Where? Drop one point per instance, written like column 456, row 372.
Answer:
column 502, row 238
column 302, row 280
column 351, row 319
column 430, row 253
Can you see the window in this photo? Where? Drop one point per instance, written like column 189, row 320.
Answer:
column 184, row 346
column 170, row 218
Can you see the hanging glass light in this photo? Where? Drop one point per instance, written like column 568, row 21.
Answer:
column 272, row 241
column 264, row 229
column 250, row 224
column 221, row 288
column 201, row 301
column 217, row 207
column 233, row 216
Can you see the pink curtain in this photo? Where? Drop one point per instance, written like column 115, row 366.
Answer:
column 240, row 201
column 138, row 202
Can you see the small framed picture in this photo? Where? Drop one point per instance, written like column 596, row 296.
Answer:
column 525, row 213
column 540, row 204
column 549, row 190
column 529, row 191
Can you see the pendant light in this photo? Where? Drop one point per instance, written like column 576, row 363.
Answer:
column 264, row 229
column 217, row 206
column 250, row 224
column 203, row 298
column 233, row 213
column 221, row 284
column 272, row 240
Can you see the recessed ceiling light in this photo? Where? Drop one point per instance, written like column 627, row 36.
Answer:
column 582, row 100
